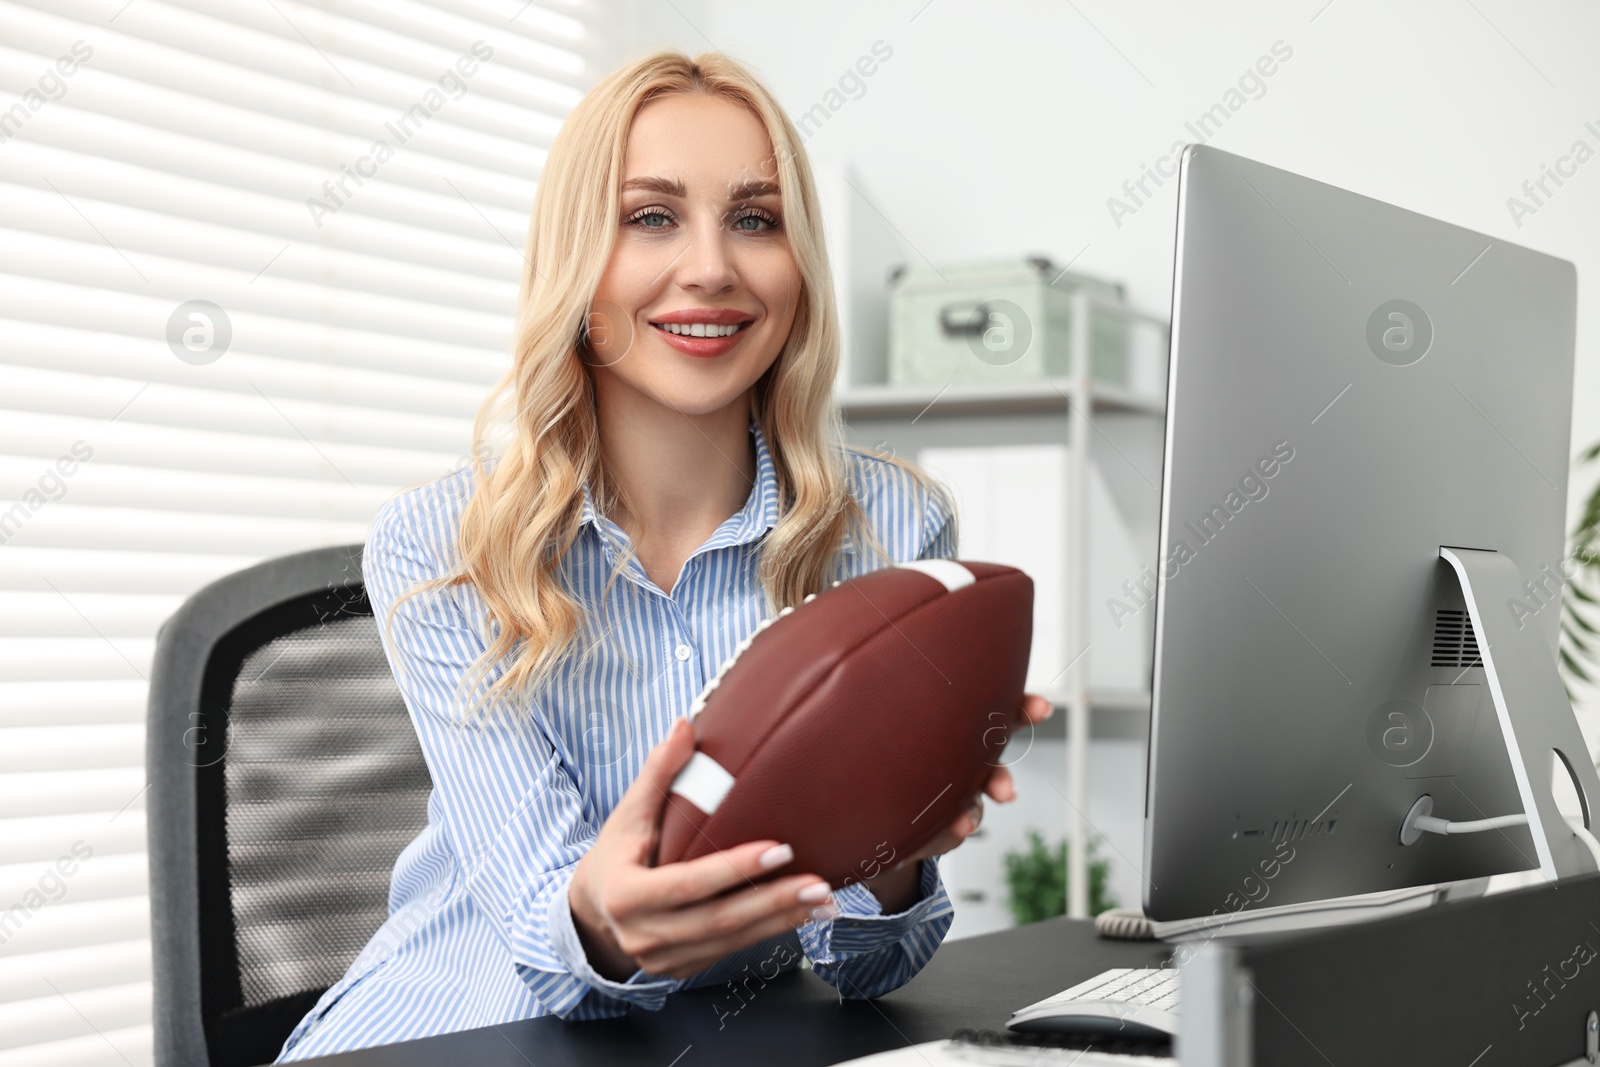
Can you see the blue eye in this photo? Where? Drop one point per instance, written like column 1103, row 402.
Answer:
column 757, row 215
column 650, row 218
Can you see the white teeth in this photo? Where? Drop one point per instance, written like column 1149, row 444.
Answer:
column 700, row 329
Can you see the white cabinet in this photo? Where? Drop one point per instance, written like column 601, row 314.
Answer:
column 1012, row 501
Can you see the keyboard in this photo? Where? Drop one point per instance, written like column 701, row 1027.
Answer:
column 988, row 1049
column 1128, row 1002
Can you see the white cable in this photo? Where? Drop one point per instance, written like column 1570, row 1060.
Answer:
column 1420, row 820
column 1445, row 826
column 1432, row 825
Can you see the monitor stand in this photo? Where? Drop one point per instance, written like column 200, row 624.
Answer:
column 1535, row 719
column 1531, row 705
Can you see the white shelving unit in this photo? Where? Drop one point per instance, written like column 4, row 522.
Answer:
column 906, row 418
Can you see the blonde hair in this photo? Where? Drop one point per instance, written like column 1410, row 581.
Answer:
column 523, row 517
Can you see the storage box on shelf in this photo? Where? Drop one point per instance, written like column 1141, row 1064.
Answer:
column 1006, row 320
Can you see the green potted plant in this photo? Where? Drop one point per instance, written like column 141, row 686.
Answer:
column 1037, row 881
column 1580, row 607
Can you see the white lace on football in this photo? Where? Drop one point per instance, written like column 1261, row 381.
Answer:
column 700, row 701
column 948, row 573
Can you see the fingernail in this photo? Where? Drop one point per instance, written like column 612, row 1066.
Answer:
column 825, row 913
column 776, row 856
column 814, row 892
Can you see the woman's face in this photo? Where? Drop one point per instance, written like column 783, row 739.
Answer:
column 701, row 251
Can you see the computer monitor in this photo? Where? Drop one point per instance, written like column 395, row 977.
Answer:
column 1367, row 439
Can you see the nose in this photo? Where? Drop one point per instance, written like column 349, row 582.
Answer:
column 708, row 264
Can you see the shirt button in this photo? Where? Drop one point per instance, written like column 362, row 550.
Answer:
column 682, row 652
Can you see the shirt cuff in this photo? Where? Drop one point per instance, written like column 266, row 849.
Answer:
column 862, row 926
column 608, row 997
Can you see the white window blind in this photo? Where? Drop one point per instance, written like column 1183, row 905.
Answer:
column 349, row 182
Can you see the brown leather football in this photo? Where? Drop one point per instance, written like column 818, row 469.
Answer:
column 860, row 724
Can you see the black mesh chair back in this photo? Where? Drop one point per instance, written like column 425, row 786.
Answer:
column 285, row 780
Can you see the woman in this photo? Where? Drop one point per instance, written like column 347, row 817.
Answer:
column 671, row 427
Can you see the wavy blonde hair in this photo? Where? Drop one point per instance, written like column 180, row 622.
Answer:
column 523, row 516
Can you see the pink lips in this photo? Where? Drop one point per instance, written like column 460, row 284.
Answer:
column 704, row 347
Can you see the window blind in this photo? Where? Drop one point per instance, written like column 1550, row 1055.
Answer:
column 258, row 260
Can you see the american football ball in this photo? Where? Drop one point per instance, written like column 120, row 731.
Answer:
column 859, row 724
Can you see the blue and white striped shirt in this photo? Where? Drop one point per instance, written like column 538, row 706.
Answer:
column 479, row 929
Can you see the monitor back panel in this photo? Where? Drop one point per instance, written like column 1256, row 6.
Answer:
column 1352, row 386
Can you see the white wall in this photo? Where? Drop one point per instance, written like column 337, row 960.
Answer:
column 1002, row 127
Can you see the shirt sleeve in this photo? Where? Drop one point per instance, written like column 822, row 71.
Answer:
column 508, row 807
column 865, row 953
column 939, row 529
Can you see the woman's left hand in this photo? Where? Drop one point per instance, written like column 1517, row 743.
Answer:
column 897, row 888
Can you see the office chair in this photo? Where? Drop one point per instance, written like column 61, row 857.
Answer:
column 285, row 779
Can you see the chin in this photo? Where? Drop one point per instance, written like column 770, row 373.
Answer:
column 698, row 399
column 698, row 390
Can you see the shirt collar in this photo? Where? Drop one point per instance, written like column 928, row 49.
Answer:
column 759, row 514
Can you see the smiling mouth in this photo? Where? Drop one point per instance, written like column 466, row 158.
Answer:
column 699, row 329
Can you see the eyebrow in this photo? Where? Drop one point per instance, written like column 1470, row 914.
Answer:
column 749, row 189
column 665, row 186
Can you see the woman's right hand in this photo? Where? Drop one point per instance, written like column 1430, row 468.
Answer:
column 679, row 918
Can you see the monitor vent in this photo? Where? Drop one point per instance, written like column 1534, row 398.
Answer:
column 1454, row 644
column 1295, row 829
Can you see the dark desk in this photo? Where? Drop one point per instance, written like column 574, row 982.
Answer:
column 798, row 1018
